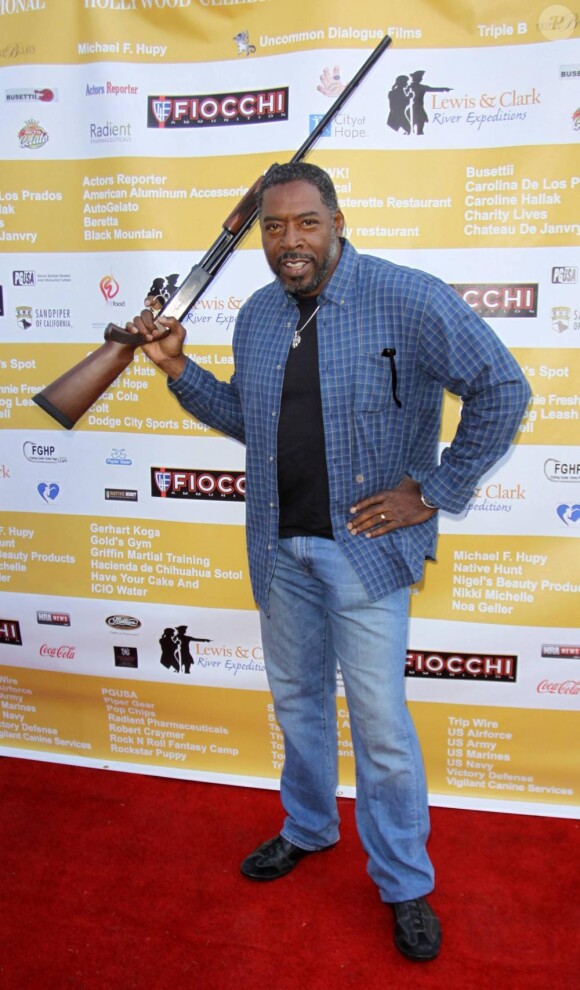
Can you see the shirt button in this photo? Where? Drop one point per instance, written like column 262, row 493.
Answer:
column 272, row 505
column 360, row 478
column 271, row 458
column 273, row 412
column 278, row 367
column 269, row 546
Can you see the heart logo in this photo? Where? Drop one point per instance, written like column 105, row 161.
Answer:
column 48, row 491
column 569, row 514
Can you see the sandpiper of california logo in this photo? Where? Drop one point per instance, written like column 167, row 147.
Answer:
column 32, row 136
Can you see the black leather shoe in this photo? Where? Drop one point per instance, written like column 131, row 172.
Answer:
column 417, row 930
column 274, row 858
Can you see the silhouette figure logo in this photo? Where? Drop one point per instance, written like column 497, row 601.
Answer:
column 406, row 100
column 175, row 652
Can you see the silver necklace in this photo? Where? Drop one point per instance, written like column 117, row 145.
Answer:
column 296, row 336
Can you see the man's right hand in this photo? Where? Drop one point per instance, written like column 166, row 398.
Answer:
column 164, row 348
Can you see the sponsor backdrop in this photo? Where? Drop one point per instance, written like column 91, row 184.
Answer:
column 131, row 128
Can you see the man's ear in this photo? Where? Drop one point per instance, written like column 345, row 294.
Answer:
column 339, row 223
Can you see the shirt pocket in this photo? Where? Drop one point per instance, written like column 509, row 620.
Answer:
column 373, row 385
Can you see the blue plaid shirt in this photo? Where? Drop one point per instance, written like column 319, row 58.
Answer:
column 372, row 441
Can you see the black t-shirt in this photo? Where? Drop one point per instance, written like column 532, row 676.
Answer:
column 302, row 473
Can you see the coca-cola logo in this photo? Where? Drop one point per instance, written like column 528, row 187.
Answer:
column 64, row 652
column 558, row 687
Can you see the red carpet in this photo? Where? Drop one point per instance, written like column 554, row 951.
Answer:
column 126, row 882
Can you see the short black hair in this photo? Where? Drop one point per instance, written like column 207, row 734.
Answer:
column 280, row 175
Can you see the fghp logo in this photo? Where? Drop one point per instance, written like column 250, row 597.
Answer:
column 557, row 470
column 109, row 287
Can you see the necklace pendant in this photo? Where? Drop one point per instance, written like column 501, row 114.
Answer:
column 295, row 339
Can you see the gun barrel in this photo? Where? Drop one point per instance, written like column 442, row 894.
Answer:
column 71, row 395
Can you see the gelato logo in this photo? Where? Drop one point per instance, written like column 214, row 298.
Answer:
column 42, row 453
column 558, row 650
column 58, row 652
column 31, row 95
column 48, row 491
column 242, row 40
column 10, row 632
column 109, row 287
column 219, row 109
column 32, row 136
column 228, row 486
column 561, row 316
column 569, row 514
column 556, row 470
column 500, row 300
column 53, row 618
column 564, row 275
column 462, row 666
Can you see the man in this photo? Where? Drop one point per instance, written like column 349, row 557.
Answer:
column 340, row 365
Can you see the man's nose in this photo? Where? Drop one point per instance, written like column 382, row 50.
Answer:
column 292, row 238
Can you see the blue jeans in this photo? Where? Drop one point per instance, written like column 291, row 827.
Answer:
column 320, row 616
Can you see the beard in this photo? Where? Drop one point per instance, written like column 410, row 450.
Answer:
column 301, row 285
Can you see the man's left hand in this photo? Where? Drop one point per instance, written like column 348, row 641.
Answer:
column 393, row 509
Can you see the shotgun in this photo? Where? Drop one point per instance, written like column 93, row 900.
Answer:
column 71, row 395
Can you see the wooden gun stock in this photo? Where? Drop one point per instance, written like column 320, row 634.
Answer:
column 71, row 395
